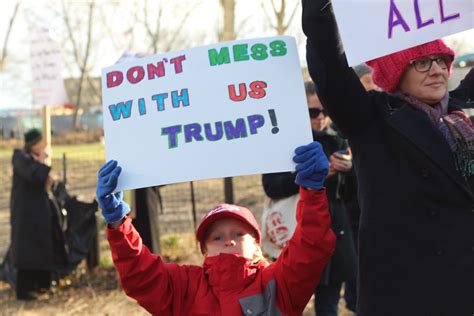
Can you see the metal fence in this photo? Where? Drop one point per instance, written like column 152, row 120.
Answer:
column 178, row 200
column 79, row 170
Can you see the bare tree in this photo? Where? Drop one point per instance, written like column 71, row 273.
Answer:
column 228, row 28
column 103, row 16
column 281, row 16
column 4, row 53
column 159, row 36
column 81, row 58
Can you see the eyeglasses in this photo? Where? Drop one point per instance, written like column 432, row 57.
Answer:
column 424, row 64
column 314, row 113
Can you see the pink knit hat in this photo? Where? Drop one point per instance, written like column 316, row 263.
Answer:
column 388, row 70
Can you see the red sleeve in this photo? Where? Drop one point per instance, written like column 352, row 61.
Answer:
column 157, row 286
column 300, row 264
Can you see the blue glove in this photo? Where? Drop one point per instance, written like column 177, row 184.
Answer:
column 112, row 204
column 312, row 166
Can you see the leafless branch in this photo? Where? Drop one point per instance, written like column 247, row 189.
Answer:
column 70, row 31
column 3, row 57
column 279, row 15
column 84, row 64
column 178, row 30
column 267, row 15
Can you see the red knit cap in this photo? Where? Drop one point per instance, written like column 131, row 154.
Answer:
column 388, row 70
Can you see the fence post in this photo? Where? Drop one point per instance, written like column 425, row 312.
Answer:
column 193, row 205
column 64, row 169
column 93, row 256
column 229, row 190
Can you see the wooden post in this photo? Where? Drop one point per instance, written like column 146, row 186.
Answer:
column 46, row 112
column 229, row 190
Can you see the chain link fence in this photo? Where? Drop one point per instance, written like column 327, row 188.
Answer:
column 77, row 166
column 178, row 203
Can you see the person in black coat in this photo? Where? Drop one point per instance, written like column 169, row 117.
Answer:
column 413, row 156
column 349, row 194
column 31, row 218
column 342, row 265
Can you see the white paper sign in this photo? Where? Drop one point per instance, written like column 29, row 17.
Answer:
column 222, row 110
column 46, row 67
column 375, row 28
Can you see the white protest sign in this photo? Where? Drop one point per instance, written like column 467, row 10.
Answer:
column 46, row 67
column 375, row 28
column 222, row 110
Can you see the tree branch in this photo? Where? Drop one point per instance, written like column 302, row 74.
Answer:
column 182, row 22
column 267, row 15
column 83, row 66
column 3, row 57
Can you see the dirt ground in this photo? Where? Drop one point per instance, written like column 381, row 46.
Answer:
column 86, row 294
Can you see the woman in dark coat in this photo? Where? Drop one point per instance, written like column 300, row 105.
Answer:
column 413, row 156
column 342, row 265
column 31, row 218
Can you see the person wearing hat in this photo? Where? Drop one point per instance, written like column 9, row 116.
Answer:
column 31, row 218
column 234, row 279
column 35, row 144
column 413, row 150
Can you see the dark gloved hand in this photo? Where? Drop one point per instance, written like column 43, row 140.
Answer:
column 313, row 9
column 112, row 204
column 320, row 26
column 312, row 166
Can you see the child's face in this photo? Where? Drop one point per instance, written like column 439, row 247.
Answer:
column 230, row 236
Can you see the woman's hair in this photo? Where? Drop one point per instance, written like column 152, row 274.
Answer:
column 310, row 88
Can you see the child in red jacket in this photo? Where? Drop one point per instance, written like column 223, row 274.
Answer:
column 234, row 279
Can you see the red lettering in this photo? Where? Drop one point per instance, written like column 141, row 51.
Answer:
column 140, row 74
column 242, row 92
column 136, row 74
column 177, row 61
column 114, row 78
column 158, row 70
column 257, row 89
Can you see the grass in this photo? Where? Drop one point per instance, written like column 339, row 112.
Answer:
column 180, row 248
column 73, row 151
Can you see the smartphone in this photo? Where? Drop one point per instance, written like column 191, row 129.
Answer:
column 342, row 152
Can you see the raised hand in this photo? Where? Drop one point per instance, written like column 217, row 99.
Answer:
column 312, row 166
column 112, row 204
